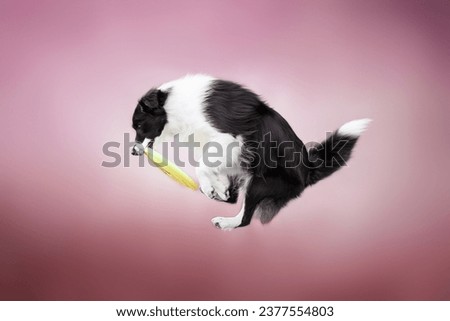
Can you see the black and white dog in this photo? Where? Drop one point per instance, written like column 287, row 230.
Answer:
column 268, row 163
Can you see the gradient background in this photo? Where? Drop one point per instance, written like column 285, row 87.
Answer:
column 70, row 76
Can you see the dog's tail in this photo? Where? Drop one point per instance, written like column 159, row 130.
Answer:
column 333, row 153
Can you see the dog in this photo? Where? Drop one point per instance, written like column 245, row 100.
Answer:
column 268, row 163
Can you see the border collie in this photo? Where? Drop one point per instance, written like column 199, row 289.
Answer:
column 270, row 164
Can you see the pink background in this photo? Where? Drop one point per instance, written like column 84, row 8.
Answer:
column 70, row 76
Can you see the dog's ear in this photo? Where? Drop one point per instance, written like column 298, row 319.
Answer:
column 161, row 96
column 153, row 102
column 145, row 107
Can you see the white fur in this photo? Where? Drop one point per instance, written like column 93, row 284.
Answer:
column 185, row 116
column 229, row 223
column 354, row 128
column 184, row 108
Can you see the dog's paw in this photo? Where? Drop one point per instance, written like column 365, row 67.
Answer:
column 221, row 191
column 222, row 196
column 215, row 194
column 208, row 191
column 226, row 223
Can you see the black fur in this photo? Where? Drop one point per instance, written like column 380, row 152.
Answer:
column 149, row 117
column 236, row 110
column 233, row 189
column 277, row 161
column 329, row 156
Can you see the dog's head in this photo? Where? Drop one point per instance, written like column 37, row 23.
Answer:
column 149, row 119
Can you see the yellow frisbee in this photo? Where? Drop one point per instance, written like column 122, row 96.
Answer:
column 170, row 169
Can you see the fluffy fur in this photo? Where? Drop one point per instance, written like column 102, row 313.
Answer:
column 269, row 165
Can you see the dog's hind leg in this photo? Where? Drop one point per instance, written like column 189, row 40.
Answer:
column 267, row 196
column 229, row 223
column 268, row 208
column 243, row 218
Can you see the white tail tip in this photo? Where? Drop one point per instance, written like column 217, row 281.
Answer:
column 354, row 128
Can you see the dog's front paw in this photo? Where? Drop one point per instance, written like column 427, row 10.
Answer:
column 208, row 191
column 215, row 194
column 222, row 196
column 226, row 223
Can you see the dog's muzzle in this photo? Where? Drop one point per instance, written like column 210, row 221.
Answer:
column 138, row 148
